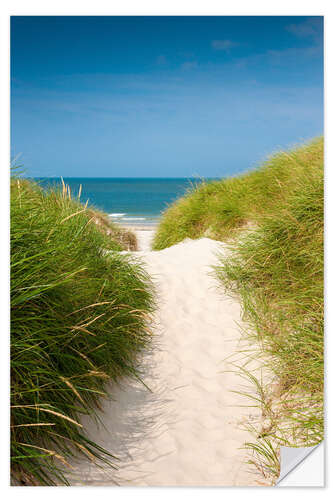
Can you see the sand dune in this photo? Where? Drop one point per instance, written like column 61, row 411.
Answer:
column 188, row 429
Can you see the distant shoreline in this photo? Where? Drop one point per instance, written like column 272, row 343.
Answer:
column 137, row 227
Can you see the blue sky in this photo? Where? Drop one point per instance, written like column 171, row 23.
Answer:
column 162, row 96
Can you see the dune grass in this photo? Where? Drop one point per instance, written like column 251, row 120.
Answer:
column 273, row 221
column 222, row 209
column 79, row 317
column 277, row 270
column 126, row 239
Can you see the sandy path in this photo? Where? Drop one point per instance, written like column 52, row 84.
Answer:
column 187, row 431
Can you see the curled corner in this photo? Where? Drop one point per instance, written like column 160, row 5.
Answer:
column 290, row 458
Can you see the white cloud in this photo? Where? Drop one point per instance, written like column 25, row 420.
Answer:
column 161, row 60
column 312, row 27
column 224, row 45
column 189, row 65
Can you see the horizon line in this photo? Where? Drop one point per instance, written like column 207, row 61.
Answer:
column 117, row 177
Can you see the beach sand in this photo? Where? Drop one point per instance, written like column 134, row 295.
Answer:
column 188, row 429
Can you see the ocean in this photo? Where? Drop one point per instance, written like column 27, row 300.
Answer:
column 129, row 201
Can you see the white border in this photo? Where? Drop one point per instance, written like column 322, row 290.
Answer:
column 134, row 7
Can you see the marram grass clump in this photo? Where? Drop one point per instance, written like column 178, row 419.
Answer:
column 124, row 237
column 223, row 209
column 79, row 317
column 277, row 269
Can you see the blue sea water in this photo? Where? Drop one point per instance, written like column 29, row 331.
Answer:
column 130, row 201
